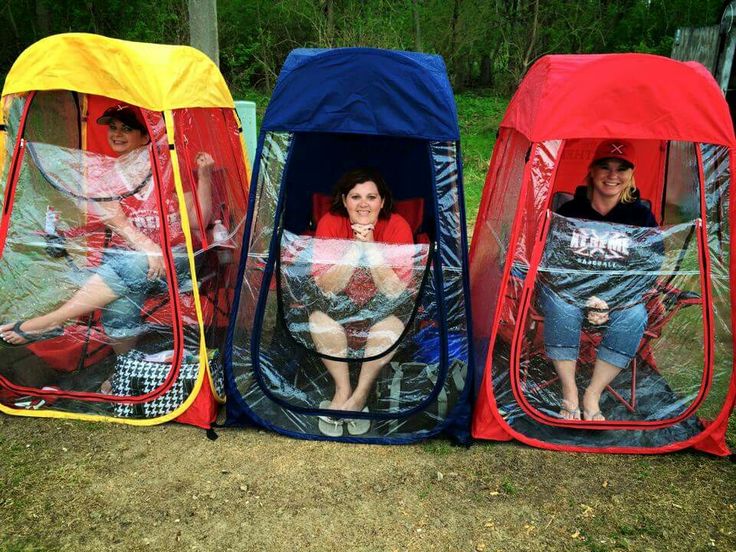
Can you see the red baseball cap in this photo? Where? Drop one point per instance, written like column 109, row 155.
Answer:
column 616, row 149
column 127, row 114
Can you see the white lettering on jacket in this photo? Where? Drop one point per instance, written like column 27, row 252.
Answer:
column 604, row 245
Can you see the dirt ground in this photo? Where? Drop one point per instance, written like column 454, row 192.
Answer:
column 69, row 485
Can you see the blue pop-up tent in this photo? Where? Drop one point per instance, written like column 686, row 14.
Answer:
column 332, row 111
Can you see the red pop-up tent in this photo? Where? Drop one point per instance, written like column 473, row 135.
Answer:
column 678, row 390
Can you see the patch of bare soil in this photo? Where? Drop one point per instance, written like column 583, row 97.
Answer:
column 69, row 485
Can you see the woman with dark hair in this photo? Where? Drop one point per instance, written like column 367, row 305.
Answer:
column 361, row 212
column 607, row 296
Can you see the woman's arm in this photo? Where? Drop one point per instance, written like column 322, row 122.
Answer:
column 205, row 164
column 113, row 216
column 336, row 277
column 385, row 278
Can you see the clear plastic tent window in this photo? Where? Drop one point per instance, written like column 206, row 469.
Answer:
column 57, row 241
column 278, row 367
column 632, row 269
column 117, row 255
column 85, row 175
column 677, row 276
column 68, row 195
column 361, row 305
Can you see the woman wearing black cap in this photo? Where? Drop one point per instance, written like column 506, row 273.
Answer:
column 566, row 298
column 132, row 265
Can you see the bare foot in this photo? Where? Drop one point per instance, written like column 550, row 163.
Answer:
column 355, row 403
column 339, row 399
column 9, row 336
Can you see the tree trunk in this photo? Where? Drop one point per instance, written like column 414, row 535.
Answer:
column 485, row 78
column 42, row 19
column 203, row 27
column 455, row 67
column 533, row 39
column 330, row 15
column 417, row 28
column 11, row 19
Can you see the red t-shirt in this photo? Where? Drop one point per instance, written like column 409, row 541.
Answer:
column 392, row 230
column 142, row 211
column 361, row 288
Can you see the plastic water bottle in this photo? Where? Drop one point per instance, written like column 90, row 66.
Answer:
column 221, row 238
column 49, row 226
column 160, row 357
column 54, row 242
column 219, row 233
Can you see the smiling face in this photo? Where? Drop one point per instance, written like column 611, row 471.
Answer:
column 363, row 203
column 123, row 139
column 610, row 177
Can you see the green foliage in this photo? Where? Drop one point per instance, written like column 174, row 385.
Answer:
column 508, row 487
column 485, row 43
column 25, row 22
column 649, row 26
column 479, row 115
column 439, row 447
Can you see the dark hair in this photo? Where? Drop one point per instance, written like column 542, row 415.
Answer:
column 350, row 179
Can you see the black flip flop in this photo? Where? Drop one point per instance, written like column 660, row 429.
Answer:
column 31, row 338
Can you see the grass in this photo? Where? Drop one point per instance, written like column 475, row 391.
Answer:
column 64, row 487
column 479, row 117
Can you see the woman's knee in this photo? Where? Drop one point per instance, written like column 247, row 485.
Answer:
column 632, row 319
column 555, row 308
column 389, row 324
column 319, row 321
column 383, row 334
column 328, row 335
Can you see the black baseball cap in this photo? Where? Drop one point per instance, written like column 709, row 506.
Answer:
column 127, row 114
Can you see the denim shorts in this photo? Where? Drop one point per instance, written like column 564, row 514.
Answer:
column 125, row 273
column 564, row 321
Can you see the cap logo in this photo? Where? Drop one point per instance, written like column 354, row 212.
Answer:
column 617, row 148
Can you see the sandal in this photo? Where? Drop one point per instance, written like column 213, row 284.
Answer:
column 567, row 413
column 594, row 417
column 30, row 402
column 31, row 338
column 332, row 427
column 359, row 426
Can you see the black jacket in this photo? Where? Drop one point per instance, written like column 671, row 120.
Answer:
column 634, row 214
column 615, row 257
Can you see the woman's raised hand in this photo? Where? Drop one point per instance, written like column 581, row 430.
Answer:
column 204, row 162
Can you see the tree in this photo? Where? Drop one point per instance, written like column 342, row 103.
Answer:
column 203, row 27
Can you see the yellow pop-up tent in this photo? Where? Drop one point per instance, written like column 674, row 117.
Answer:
column 138, row 349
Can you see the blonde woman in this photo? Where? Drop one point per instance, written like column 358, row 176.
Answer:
column 609, row 196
